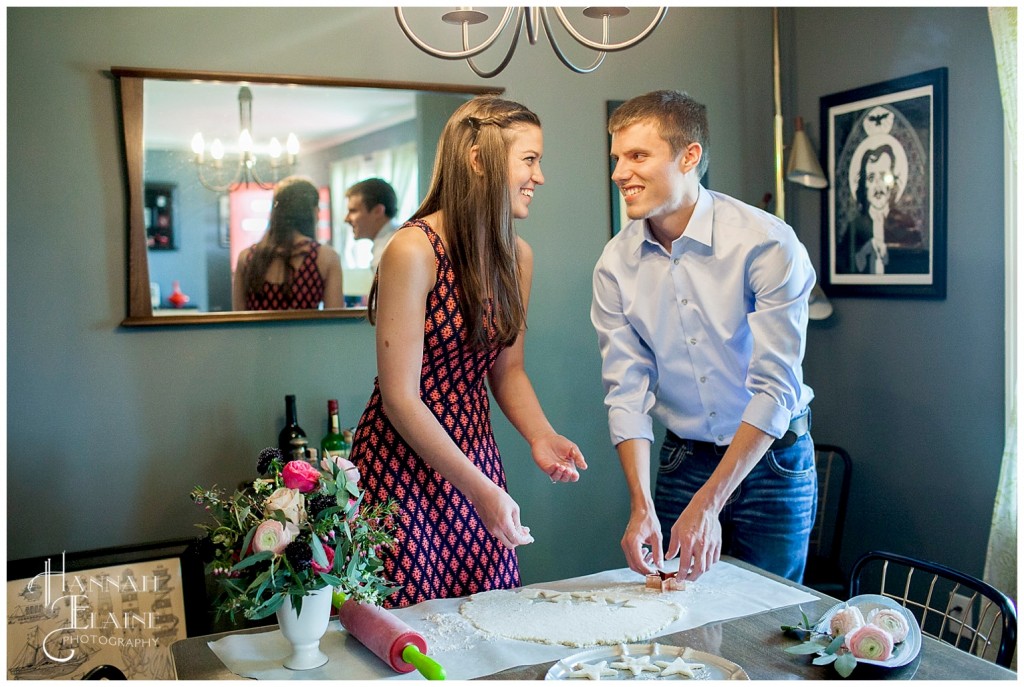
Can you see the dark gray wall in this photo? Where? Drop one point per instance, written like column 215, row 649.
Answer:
column 914, row 388
column 109, row 429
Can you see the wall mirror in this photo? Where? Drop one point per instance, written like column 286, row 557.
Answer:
column 189, row 215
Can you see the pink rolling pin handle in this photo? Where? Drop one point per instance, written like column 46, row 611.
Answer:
column 381, row 632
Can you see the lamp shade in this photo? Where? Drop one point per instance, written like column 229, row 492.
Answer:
column 803, row 167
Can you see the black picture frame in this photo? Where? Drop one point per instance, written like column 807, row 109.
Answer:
column 122, row 575
column 160, row 216
column 890, row 241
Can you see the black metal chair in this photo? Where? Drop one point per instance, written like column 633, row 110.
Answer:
column 823, row 571
column 949, row 605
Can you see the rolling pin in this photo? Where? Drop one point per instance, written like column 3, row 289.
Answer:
column 393, row 641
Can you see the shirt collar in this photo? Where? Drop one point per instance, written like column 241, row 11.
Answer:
column 698, row 229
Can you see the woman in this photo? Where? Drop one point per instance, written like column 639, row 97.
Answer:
column 288, row 269
column 449, row 303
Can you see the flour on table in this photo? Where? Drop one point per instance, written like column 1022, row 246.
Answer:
column 573, row 619
column 449, row 632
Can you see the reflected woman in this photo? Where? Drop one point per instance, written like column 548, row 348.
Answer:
column 288, row 269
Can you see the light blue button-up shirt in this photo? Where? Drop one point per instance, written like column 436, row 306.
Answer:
column 708, row 335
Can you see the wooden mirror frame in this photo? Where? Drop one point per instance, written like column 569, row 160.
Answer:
column 128, row 87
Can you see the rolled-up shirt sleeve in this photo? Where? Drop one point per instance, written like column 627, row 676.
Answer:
column 781, row 278
column 628, row 369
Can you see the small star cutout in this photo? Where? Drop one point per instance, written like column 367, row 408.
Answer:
column 593, row 671
column 679, row 667
column 635, row 665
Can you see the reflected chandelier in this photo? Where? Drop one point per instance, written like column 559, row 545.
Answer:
column 534, row 18
column 215, row 176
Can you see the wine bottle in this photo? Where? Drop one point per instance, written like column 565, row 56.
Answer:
column 334, row 442
column 291, row 438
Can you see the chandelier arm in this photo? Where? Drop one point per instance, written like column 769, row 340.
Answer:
column 250, row 172
column 508, row 55
column 610, row 47
column 216, row 188
column 565, row 60
column 453, row 55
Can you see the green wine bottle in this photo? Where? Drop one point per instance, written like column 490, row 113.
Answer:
column 334, row 442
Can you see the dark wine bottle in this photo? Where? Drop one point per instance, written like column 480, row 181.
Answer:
column 291, row 440
column 334, row 442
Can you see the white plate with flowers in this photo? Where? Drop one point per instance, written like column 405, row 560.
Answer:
column 869, row 629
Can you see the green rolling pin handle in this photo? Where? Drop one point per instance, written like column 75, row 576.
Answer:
column 428, row 667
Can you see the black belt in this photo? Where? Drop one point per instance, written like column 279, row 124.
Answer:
column 799, row 426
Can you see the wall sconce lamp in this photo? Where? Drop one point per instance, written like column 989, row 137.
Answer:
column 535, row 18
column 245, row 173
column 804, row 168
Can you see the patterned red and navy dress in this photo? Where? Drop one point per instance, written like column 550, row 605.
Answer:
column 443, row 548
column 307, row 288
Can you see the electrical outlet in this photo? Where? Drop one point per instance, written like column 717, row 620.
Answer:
column 960, row 612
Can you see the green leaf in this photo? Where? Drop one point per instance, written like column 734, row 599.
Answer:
column 825, row 660
column 834, row 645
column 797, row 632
column 253, row 560
column 845, row 664
column 318, row 551
column 805, row 648
column 268, row 607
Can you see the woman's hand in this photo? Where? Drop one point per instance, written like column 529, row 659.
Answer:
column 500, row 514
column 558, row 458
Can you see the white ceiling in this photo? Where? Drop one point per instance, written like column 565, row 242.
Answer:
column 320, row 116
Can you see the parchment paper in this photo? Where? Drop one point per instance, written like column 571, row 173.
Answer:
column 724, row 592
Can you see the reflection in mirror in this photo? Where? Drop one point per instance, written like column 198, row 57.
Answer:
column 204, row 150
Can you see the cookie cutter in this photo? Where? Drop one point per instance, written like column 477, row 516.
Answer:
column 664, row 582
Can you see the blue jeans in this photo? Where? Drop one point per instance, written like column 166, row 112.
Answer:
column 767, row 521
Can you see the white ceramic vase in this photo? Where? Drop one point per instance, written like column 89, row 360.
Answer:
column 305, row 629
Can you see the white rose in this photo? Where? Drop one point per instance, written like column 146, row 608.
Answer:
column 289, row 501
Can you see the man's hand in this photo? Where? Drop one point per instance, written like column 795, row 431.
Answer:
column 696, row 539
column 642, row 542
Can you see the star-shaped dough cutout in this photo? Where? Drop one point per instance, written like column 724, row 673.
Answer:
column 635, row 665
column 593, row 671
column 679, row 667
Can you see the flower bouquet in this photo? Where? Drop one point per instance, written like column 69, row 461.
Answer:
column 868, row 629
column 298, row 528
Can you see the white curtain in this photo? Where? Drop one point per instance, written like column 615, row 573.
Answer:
column 398, row 167
column 1001, row 559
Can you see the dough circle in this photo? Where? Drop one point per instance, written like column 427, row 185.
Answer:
column 577, row 619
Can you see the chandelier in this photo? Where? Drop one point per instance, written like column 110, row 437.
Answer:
column 218, row 176
column 535, row 18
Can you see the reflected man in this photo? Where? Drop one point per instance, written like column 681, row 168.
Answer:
column 372, row 206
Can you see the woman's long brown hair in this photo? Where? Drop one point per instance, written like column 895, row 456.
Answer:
column 295, row 199
column 480, row 237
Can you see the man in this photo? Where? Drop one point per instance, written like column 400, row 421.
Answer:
column 372, row 206
column 700, row 308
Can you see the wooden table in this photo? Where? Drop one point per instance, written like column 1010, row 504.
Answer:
column 754, row 642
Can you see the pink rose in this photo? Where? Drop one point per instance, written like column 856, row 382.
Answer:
column 891, row 620
column 298, row 474
column 870, row 642
column 345, row 465
column 845, row 621
column 288, row 501
column 272, row 535
column 329, row 552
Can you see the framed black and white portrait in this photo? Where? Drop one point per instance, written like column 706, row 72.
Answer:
column 884, row 224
